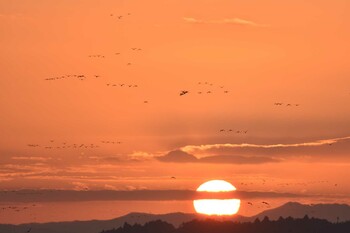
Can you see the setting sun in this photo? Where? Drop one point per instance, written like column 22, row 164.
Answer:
column 216, row 206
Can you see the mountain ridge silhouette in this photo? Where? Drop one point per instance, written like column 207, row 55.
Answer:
column 330, row 212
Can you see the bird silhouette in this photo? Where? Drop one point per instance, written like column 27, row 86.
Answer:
column 183, row 93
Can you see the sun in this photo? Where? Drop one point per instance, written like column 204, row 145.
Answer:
column 215, row 205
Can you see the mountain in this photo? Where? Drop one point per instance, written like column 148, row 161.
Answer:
column 293, row 209
column 96, row 226
column 330, row 212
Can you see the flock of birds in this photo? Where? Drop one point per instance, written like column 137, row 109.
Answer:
column 111, row 142
column 80, row 77
column 64, row 145
column 287, row 104
column 233, row 131
column 17, row 208
column 208, row 84
column 122, row 85
column 119, row 17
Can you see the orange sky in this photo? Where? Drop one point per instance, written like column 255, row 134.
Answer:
column 259, row 52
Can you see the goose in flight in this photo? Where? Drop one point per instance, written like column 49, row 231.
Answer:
column 183, row 93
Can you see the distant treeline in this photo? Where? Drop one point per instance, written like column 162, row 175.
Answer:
column 288, row 225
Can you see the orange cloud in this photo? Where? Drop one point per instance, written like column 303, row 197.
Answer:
column 238, row 21
column 192, row 148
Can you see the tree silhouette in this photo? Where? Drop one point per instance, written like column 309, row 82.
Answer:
column 288, row 225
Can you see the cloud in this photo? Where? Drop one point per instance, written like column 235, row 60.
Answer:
column 237, row 159
column 82, row 194
column 33, row 158
column 247, row 153
column 79, row 186
column 334, row 146
column 179, row 156
column 237, row 21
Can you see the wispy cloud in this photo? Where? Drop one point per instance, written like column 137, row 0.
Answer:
column 318, row 143
column 83, row 194
column 31, row 158
column 237, row 21
column 179, row 156
column 79, row 186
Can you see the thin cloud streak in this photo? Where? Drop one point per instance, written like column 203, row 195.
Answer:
column 192, row 148
column 82, row 193
column 237, row 21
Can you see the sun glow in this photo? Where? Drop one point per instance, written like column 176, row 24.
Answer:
column 216, row 206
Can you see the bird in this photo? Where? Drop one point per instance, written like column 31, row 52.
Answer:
column 249, row 203
column 183, row 93
column 145, row 102
column 222, row 130
column 128, row 64
column 173, row 177
column 120, row 17
column 264, row 202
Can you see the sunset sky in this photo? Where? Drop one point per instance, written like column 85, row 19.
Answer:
column 267, row 107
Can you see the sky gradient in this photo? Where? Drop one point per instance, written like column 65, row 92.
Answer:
column 91, row 101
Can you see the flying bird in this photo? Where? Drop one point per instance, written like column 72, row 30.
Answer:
column 183, row 93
